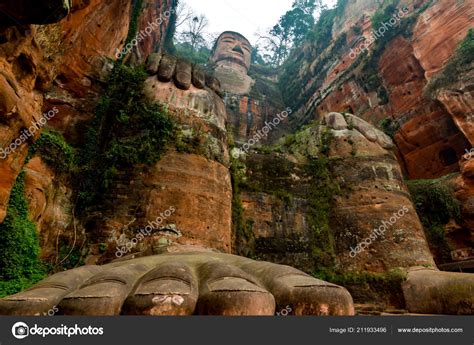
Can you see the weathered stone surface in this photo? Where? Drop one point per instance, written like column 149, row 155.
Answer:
column 433, row 292
column 336, row 121
column 48, row 293
column 21, row 66
column 153, row 295
column 183, row 75
column 50, row 205
column 8, row 97
column 276, row 197
column 213, row 83
column 73, row 51
column 194, row 180
column 167, row 68
column 153, row 63
column 464, row 189
column 153, row 28
column 201, row 103
column 430, row 143
column 201, row 192
column 231, row 56
column 199, row 77
column 164, row 285
column 458, row 99
column 438, row 32
column 95, row 31
column 232, row 47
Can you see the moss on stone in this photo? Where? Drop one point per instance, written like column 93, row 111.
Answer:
column 133, row 26
column 20, row 266
column 455, row 68
column 54, row 151
column 436, row 205
column 389, row 127
column 292, row 80
column 321, row 193
column 368, row 287
column 241, row 228
column 127, row 130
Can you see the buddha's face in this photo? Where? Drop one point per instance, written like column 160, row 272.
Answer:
column 233, row 48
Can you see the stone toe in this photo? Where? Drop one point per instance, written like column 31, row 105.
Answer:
column 105, row 293
column 226, row 290
column 47, row 294
column 306, row 295
column 296, row 291
column 429, row 291
column 170, row 289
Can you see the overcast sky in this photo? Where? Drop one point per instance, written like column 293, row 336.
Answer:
column 244, row 16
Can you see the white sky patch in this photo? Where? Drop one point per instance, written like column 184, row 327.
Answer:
column 248, row 17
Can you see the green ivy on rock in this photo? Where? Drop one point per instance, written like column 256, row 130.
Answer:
column 20, row 266
column 127, row 130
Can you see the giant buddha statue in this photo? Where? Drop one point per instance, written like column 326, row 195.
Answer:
column 232, row 56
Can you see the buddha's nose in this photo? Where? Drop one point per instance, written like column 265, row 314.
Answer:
column 238, row 49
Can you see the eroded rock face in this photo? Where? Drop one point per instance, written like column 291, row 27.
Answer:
column 465, row 193
column 154, row 28
column 200, row 191
column 192, row 178
column 51, row 208
column 72, row 52
column 438, row 32
column 458, row 99
column 276, row 197
column 430, row 139
column 88, row 41
column 183, row 284
column 22, row 66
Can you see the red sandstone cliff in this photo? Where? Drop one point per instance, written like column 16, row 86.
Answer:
column 62, row 65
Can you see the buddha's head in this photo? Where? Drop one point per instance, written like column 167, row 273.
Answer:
column 232, row 47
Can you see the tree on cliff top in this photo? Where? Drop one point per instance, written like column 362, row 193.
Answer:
column 194, row 32
column 290, row 30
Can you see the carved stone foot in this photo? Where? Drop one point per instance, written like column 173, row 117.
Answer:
column 182, row 284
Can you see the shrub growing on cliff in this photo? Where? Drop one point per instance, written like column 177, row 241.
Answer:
column 320, row 197
column 383, row 15
column 390, row 127
column 133, row 26
column 460, row 62
column 20, row 266
column 54, row 150
column 436, row 206
column 128, row 130
column 241, row 227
